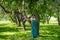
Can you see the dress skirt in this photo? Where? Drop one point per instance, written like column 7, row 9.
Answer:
column 34, row 28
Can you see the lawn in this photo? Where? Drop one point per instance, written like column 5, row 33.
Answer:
column 10, row 31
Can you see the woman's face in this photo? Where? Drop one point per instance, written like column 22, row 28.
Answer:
column 33, row 16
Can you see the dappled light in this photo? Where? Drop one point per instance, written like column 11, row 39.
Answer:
column 29, row 19
column 46, row 32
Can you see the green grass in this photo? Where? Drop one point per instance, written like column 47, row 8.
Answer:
column 9, row 31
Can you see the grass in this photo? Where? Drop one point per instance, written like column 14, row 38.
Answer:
column 9, row 31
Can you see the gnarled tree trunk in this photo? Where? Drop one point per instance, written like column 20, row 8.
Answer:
column 17, row 17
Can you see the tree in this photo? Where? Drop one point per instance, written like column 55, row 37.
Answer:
column 17, row 16
column 56, row 7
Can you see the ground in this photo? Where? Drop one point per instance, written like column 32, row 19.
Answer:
column 10, row 31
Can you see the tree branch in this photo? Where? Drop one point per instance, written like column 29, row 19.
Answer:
column 4, row 9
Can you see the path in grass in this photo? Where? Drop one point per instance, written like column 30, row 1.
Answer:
column 9, row 31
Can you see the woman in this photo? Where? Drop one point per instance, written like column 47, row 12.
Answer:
column 34, row 26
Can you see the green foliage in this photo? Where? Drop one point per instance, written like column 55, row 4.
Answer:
column 38, row 7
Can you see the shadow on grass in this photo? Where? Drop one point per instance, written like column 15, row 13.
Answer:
column 28, row 37
column 4, row 36
column 50, row 32
column 47, row 32
column 8, row 29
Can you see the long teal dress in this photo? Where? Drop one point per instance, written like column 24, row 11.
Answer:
column 34, row 28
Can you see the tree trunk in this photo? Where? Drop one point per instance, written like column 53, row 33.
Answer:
column 38, row 28
column 23, row 24
column 47, row 20
column 38, row 22
column 19, row 20
column 58, row 16
column 58, row 21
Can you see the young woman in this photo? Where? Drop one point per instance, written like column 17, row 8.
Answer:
column 34, row 26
